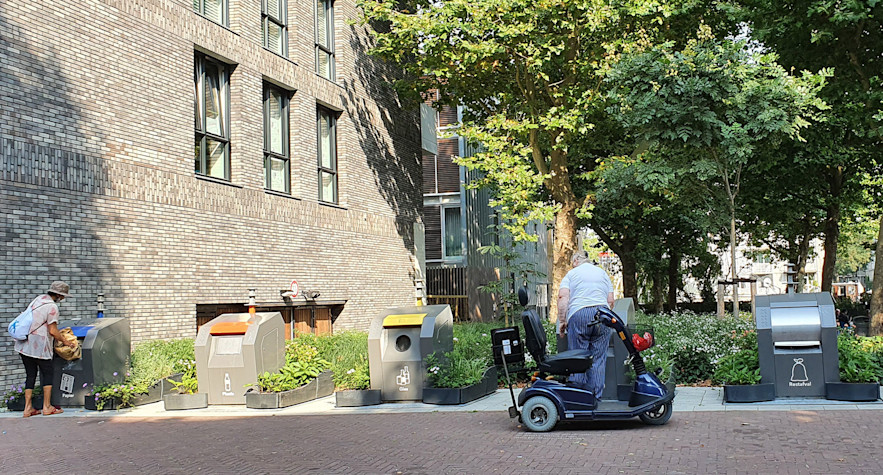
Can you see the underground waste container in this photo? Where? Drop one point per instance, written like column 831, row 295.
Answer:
column 399, row 340
column 106, row 345
column 233, row 349
column 797, row 343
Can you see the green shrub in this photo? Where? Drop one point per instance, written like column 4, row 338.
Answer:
column 741, row 367
column 859, row 361
column 157, row 359
column 347, row 352
column 302, row 365
column 694, row 343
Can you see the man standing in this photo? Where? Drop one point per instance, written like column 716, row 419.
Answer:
column 582, row 292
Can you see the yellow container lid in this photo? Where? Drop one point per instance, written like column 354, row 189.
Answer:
column 404, row 320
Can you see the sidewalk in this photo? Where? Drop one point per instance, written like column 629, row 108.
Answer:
column 687, row 399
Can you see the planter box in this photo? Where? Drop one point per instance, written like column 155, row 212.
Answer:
column 90, row 405
column 176, row 402
column 750, row 392
column 852, row 391
column 320, row 386
column 448, row 396
column 19, row 404
column 357, row 397
column 154, row 394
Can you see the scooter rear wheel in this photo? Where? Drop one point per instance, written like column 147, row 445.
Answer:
column 539, row 414
column 657, row 417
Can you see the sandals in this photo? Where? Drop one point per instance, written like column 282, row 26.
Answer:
column 54, row 410
column 32, row 412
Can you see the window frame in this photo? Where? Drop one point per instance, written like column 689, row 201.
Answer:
column 201, row 134
column 444, row 233
column 334, row 156
column 282, row 23
column 269, row 155
column 329, row 48
column 199, row 8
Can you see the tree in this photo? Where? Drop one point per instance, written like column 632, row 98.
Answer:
column 848, row 36
column 716, row 109
column 529, row 75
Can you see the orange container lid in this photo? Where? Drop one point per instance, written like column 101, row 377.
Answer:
column 230, row 328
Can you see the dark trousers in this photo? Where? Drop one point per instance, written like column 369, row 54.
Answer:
column 31, row 366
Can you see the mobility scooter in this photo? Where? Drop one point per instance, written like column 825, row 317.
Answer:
column 547, row 400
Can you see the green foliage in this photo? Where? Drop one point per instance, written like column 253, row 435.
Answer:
column 514, row 273
column 466, row 363
column 123, row 393
column 741, row 367
column 860, row 361
column 302, row 365
column 16, row 392
column 694, row 343
column 188, row 383
column 347, row 353
column 154, row 360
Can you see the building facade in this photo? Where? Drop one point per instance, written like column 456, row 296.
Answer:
column 171, row 155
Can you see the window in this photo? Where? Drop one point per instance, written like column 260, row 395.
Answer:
column 214, row 10
column 325, row 38
column 452, row 232
column 212, row 107
column 327, row 156
column 277, row 168
column 273, row 20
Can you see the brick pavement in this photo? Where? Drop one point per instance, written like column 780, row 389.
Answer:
column 449, row 442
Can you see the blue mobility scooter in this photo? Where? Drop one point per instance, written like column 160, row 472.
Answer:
column 547, row 400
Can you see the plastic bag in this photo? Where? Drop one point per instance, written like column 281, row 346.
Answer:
column 64, row 351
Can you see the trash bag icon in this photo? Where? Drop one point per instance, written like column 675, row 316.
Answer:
column 798, row 371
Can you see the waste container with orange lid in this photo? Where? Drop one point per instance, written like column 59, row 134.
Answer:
column 233, row 349
column 398, row 342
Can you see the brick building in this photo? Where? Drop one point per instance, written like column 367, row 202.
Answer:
column 174, row 154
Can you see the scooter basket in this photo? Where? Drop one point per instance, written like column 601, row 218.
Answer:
column 640, row 330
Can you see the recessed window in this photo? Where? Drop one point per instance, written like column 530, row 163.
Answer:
column 452, row 232
column 327, row 155
column 277, row 168
column 274, row 20
column 212, row 107
column 214, row 10
column 325, row 39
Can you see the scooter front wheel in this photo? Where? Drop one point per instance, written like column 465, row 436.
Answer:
column 539, row 414
column 658, row 416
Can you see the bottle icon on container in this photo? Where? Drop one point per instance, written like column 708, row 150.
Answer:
column 404, row 378
column 227, row 386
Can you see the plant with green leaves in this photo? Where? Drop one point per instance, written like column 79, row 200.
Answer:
column 858, row 364
column 154, row 360
column 16, row 393
column 347, row 352
column 741, row 367
column 188, row 384
column 302, row 365
column 123, row 393
column 516, row 270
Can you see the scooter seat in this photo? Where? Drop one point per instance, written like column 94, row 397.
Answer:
column 566, row 362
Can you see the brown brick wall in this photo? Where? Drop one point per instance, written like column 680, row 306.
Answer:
column 96, row 167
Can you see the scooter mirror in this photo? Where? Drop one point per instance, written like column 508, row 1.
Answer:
column 522, row 296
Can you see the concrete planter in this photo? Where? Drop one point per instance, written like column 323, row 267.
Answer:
column 750, row 392
column 89, row 404
column 450, row 396
column 155, row 393
column 320, row 386
column 19, row 404
column 357, row 397
column 176, row 402
column 858, row 392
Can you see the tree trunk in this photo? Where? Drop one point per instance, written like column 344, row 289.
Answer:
column 832, row 229
column 734, row 272
column 802, row 257
column 877, row 286
column 564, row 245
column 674, row 266
column 657, row 291
column 629, row 271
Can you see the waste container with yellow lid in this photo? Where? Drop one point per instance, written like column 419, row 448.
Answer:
column 398, row 342
column 233, row 349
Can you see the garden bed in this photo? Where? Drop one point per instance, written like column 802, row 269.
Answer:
column 320, row 386
column 177, row 402
column 749, row 392
column 451, row 396
column 357, row 397
column 858, row 392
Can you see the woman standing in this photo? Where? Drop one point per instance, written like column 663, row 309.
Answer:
column 36, row 352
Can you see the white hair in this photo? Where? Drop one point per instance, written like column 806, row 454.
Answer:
column 578, row 258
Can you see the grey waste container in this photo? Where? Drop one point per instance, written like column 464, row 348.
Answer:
column 233, row 349
column 399, row 340
column 797, row 343
column 616, row 384
column 106, row 346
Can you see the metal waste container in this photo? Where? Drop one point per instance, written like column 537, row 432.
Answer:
column 233, row 349
column 106, row 344
column 797, row 343
column 399, row 340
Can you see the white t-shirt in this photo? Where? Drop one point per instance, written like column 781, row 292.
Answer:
column 589, row 285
